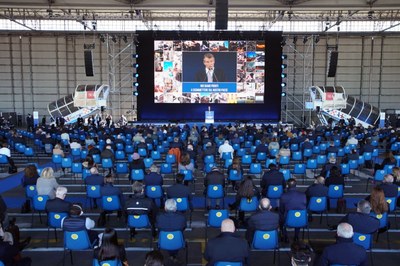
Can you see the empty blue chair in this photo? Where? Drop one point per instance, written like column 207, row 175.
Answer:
column 266, row 240
column 115, row 262
column 74, row 241
column 137, row 175
column 318, row 205
column 166, row 169
column 227, row 263
column 286, row 173
column 148, row 162
column 246, row 159
column 172, row 241
column 142, row 152
column 122, row 169
column 170, row 158
column 255, row 169
column 119, row 155
column 364, row 240
column 296, row 219
column 345, row 169
column 297, row 156
column 378, row 177
column 307, row 153
column 54, row 221
column 269, row 161
column 294, row 147
column 111, row 203
column 93, row 192
column 156, row 155
column 248, row 205
column 39, row 205
column 284, row 160
column 209, row 159
column 106, row 163
column 335, row 191
column 30, row 191
column 274, row 192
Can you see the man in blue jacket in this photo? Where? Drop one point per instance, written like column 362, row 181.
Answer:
column 344, row 252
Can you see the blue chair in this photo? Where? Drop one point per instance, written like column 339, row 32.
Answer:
column 29, row 153
column 122, row 169
column 209, row 159
column 274, row 192
column 142, row 152
column 241, row 152
column 107, row 263
column 284, row 160
column 299, row 169
column 345, row 169
column 388, row 168
column 155, row 192
column 248, row 205
column 294, row 147
column 56, row 159
column 215, row 192
column 318, row 205
column 297, row 156
column 139, row 221
column 170, row 158
column 335, row 191
column 246, row 159
column 307, row 153
column 30, row 191
column 106, row 163
column 378, row 177
column 93, row 192
column 269, row 161
column 66, row 163
column 76, row 169
column 255, row 169
column 96, row 158
column 321, row 159
column 148, row 162
column 74, row 241
column 39, row 205
column 311, row 164
column 111, row 203
column 364, row 240
column 297, row 219
column 172, row 241
column 266, row 240
column 54, row 221
column 286, row 173
column 156, row 155
column 227, row 263
column 383, row 225
column 215, row 218
column 137, row 175
column 273, row 152
column 119, row 155
column 166, row 169
column 76, row 153
column 182, row 205
column 129, row 149
column 392, row 202
column 261, row 156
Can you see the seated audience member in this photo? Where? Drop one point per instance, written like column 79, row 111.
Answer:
column 10, row 251
column 108, row 153
column 4, row 150
column 291, row 200
column 378, row 201
column 215, row 177
column 344, row 252
column 75, row 145
column 46, row 183
column 318, row 189
column 110, row 190
column 109, row 249
column 29, row 179
column 335, row 177
column 171, row 220
column 185, row 163
column 137, row 163
column 284, row 151
column 236, row 165
column 264, row 219
column 327, row 167
column 388, row 187
column 88, row 163
column 3, row 213
column 179, row 190
column 361, row 221
column 154, row 258
column 77, row 222
column 58, row 204
column 139, row 204
column 388, row 160
column 226, row 147
column 228, row 246
column 57, row 150
column 94, row 179
column 272, row 177
column 396, row 175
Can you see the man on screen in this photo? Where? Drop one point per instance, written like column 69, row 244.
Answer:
column 210, row 73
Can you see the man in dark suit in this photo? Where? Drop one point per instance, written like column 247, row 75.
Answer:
column 291, row 200
column 153, row 178
column 139, row 204
column 171, row 220
column 344, row 252
column 210, row 73
column 388, row 187
column 272, row 177
column 228, row 246
column 94, row 179
column 58, row 204
column 361, row 221
column 179, row 190
column 318, row 189
column 264, row 219
column 109, row 190
column 215, row 177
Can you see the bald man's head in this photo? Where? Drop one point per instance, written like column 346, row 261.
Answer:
column 227, row 225
column 265, row 204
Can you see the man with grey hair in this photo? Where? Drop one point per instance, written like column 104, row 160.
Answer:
column 318, row 189
column 228, row 246
column 361, row 221
column 344, row 252
column 171, row 220
column 58, row 204
column 264, row 219
column 388, row 187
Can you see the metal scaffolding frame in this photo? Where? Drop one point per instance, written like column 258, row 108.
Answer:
column 293, row 104
column 120, row 61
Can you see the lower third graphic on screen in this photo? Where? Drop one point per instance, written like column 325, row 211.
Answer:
column 210, row 87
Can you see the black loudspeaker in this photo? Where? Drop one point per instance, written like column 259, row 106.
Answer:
column 221, row 14
column 89, row 63
column 332, row 63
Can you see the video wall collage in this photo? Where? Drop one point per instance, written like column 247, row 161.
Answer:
column 202, row 72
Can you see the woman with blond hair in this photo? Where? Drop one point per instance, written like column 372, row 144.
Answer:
column 46, row 183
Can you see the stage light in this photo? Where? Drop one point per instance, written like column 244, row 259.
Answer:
column 284, row 56
column 136, row 75
column 135, row 56
column 283, row 84
column 136, row 84
column 283, row 66
column 283, row 94
column 283, row 75
column 135, row 65
column 135, row 93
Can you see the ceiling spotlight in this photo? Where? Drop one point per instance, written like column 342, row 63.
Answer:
column 283, row 94
column 135, row 93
